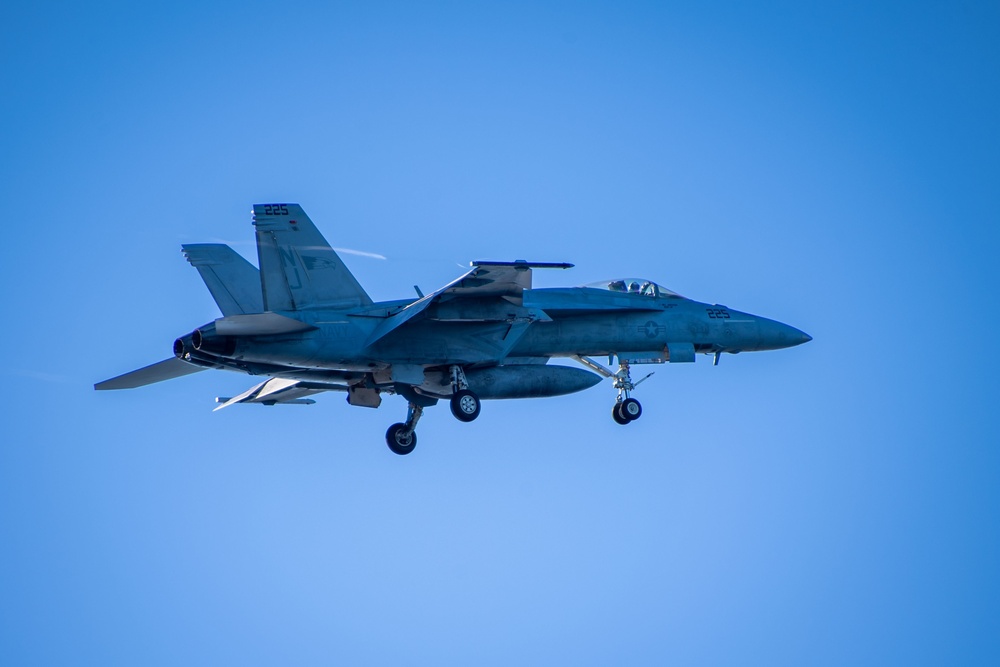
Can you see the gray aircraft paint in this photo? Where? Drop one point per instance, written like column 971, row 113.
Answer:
column 306, row 323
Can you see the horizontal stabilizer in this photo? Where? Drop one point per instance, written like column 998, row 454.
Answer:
column 260, row 324
column 158, row 372
column 233, row 281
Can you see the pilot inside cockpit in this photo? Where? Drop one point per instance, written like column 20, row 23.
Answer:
column 639, row 286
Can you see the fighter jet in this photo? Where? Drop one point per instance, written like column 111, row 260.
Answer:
column 303, row 322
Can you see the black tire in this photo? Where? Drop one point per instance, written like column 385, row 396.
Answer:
column 399, row 444
column 630, row 409
column 616, row 416
column 465, row 405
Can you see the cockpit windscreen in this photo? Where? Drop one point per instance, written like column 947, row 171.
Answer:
column 639, row 286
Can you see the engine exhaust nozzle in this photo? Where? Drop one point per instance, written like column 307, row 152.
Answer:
column 209, row 342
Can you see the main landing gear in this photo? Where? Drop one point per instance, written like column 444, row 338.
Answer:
column 465, row 405
column 402, row 438
column 626, row 408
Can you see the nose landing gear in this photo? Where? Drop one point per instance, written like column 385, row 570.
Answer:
column 626, row 408
column 626, row 411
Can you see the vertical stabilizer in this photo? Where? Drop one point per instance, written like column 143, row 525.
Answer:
column 298, row 268
column 233, row 281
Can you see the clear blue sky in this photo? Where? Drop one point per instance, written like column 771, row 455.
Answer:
column 834, row 167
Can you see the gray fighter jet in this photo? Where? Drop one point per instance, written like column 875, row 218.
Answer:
column 303, row 322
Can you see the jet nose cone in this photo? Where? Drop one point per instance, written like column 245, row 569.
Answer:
column 799, row 337
column 776, row 335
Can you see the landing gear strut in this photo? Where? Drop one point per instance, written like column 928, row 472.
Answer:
column 465, row 405
column 402, row 438
column 626, row 408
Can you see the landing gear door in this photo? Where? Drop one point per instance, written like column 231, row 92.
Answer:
column 680, row 353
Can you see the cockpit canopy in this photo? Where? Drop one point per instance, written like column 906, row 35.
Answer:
column 639, row 286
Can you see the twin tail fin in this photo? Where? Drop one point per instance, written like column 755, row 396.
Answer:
column 298, row 268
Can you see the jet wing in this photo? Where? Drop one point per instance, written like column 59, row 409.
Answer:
column 497, row 279
column 158, row 372
column 483, row 281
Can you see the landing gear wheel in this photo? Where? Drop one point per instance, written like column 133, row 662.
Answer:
column 617, row 417
column 401, row 440
column 465, row 405
column 630, row 409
